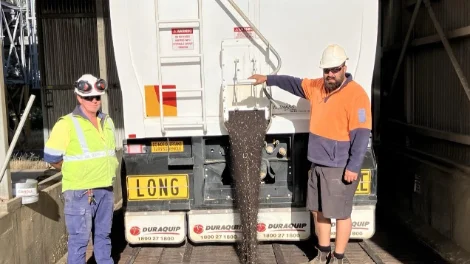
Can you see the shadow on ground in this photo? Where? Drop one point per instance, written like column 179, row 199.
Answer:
column 399, row 242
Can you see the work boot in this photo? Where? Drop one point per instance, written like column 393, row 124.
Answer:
column 334, row 260
column 321, row 258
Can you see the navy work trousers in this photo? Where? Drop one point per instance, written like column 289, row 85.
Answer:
column 81, row 217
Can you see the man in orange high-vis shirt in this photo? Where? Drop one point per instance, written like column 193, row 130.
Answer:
column 340, row 126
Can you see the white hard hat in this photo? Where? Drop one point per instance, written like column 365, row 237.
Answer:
column 89, row 85
column 333, row 56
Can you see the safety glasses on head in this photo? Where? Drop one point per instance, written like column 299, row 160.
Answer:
column 85, row 87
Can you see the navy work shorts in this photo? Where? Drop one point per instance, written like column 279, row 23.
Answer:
column 329, row 193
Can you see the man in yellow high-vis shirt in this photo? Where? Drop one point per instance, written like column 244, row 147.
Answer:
column 82, row 145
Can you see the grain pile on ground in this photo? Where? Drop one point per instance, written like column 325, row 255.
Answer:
column 247, row 130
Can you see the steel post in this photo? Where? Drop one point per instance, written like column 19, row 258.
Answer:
column 5, row 182
column 100, row 29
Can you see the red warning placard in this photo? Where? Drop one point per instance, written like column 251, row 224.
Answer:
column 182, row 38
column 243, row 32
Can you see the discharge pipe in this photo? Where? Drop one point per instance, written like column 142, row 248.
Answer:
column 16, row 136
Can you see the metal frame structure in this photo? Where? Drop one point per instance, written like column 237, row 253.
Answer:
column 20, row 70
column 19, row 35
column 20, row 64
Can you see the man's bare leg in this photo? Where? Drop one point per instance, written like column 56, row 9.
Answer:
column 322, row 229
column 343, row 232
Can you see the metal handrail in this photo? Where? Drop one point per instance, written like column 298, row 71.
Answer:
column 256, row 30
column 270, row 48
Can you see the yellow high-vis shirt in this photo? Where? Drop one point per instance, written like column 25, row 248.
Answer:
column 88, row 154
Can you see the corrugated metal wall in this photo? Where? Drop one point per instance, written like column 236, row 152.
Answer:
column 69, row 48
column 428, row 93
column 424, row 132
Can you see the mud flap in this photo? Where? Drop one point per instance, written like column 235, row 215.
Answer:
column 363, row 222
column 155, row 227
column 274, row 224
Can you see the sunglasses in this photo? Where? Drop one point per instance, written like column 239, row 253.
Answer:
column 333, row 70
column 90, row 98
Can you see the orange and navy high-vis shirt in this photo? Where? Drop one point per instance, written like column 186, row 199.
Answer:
column 340, row 122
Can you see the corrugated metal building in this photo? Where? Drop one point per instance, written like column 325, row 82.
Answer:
column 68, row 37
column 423, row 121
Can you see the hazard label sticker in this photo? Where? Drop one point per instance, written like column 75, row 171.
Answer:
column 182, row 38
column 243, row 32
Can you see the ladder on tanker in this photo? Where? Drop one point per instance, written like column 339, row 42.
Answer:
column 161, row 25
